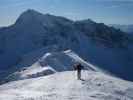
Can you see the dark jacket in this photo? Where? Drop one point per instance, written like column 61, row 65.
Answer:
column 78, row 67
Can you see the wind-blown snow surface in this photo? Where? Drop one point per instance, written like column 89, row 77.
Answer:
column 65, row 86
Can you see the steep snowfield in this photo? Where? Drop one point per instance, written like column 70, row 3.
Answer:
column 49, row 63
column 65, row 86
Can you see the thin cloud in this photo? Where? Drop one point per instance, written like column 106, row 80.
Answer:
column 121, row 5
column 116, row 3
column 16, row 3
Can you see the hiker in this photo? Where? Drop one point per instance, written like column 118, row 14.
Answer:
column 78, row 67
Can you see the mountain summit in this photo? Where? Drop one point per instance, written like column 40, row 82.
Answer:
column 33, row 17
column 30, row 12
column 30, row 17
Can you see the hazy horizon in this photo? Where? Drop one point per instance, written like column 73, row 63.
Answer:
column 102, row 11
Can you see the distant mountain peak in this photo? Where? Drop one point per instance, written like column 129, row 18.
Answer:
column 30, row 11
column 30, row 16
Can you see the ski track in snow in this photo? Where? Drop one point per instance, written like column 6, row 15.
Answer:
column 65, row 86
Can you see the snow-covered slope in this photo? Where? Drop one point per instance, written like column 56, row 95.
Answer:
column 49, row 63
column 65, row 86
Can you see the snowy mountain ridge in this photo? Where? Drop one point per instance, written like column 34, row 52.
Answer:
column 50, row 63
column 35, row 34
column 38, row 51
column 30, row 83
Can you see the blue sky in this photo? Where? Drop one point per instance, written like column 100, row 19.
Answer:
column 106, row 11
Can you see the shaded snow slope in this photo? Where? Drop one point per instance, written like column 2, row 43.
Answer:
column 49, row 63
column 65, row 86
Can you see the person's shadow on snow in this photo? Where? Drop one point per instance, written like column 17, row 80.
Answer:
column 82, row 79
